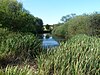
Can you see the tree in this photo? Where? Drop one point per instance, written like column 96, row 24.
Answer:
column 63, row 19
column 16, row 18
column 47, row 27
column 68, row 17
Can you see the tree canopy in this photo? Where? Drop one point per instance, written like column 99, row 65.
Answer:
column 15, row 17
column 68, row 17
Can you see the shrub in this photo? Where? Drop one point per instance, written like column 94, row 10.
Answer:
column 95, row 24
column 76, row 25
column 59, row 31
column 82, row 24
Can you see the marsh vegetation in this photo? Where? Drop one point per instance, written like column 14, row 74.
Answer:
column 21, row 51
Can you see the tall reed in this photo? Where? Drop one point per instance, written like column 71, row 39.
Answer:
column 18, row 45
column 78, row 56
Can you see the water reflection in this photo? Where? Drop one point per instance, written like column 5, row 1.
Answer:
column 49, row 41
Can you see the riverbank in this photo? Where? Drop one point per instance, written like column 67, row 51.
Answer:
column 16, row 48
column 78, row 56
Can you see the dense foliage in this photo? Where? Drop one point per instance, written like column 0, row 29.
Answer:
column 17, row 47
column 78, row 56
column 16, row 18
column 95, row 23
column 17, row 70
column 59, row 31
column 82, row 24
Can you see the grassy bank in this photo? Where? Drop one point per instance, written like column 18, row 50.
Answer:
column 78, row 56
column 17, row 47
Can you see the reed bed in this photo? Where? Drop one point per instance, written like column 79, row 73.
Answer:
column 18, row 46
column 16, row 70
column 78, row 56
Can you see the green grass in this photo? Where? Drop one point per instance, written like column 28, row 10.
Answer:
column 21, row 46
column 80, row 55
column 17, row 70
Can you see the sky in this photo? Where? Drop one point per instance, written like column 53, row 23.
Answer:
column 51, row 11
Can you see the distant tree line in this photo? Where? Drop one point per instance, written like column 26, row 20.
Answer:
column 16, row 18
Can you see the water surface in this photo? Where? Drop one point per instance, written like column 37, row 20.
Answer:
column 49, row 41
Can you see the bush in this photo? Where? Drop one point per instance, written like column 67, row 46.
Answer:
column 83, row 24
column 95, row 24
column 76, row 25
column 59, row 31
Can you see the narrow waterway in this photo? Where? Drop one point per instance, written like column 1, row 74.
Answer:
column 49, row 41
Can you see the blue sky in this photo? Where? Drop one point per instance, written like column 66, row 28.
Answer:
column 51, row 11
